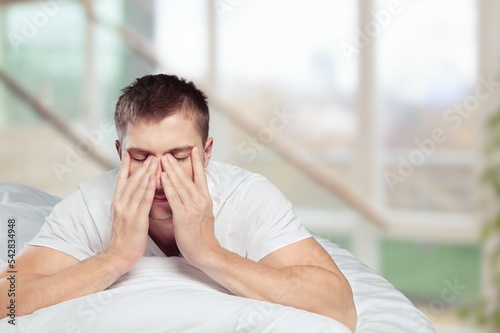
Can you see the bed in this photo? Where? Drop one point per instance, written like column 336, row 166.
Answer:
column 170, row 295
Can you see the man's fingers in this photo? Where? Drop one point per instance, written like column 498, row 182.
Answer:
column 121, row 180
column 200, row 179
column 170, row 192
column 180, row 182
column 138, row 182
column 131, row 189
column 147, row 196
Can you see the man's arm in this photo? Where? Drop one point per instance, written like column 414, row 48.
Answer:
column 289, row 276
column 46, row 276
column 302, row 274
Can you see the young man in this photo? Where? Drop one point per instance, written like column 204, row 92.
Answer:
column 169, row 199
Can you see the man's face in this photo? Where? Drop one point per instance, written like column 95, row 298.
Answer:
column 175, row 134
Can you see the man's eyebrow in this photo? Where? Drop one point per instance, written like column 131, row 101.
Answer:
column 138, row 150
column 180, row 149
column 171, row 151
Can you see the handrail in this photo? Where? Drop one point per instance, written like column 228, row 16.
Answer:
column 46, row 113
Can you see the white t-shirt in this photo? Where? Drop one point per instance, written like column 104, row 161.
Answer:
column 252, row 217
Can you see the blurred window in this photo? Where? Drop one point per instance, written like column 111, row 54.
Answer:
column 274, row 57
column 424, row 76
column 44, row 50
column 426, row 70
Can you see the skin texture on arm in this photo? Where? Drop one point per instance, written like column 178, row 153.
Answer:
column 302, row 274
column 317, row 287
column 46, row 277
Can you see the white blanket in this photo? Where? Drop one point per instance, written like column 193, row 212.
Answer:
column 170, row 295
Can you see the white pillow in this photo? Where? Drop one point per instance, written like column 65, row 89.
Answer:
column 28, row 207
column 381, row 307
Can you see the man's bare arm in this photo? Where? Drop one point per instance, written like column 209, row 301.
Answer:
column 39, row 285
column 318, row 286
column 313, row 285
column 46, row 276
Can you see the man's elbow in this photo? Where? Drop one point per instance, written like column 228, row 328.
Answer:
column 7, row 297
column 10, row 299
column 12, row 310
column 341, row 305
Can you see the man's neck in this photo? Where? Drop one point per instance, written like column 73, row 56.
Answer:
column 162, row 233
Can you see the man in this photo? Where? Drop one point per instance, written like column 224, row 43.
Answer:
column 169, row 199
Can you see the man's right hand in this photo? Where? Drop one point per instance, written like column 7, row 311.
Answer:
column 130, row 211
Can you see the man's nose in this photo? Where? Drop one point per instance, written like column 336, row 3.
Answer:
column 159, row 170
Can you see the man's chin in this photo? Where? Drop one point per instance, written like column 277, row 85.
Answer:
column 160, row 217
column 160, row 213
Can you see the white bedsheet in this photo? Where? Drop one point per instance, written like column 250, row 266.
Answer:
column 170, row 295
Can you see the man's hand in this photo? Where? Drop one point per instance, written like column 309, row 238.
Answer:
column 130, row 211
column 191, row 207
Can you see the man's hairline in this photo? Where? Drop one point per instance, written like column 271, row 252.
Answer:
column 183, row 111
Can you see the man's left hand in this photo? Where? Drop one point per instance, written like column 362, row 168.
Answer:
column 191, row 206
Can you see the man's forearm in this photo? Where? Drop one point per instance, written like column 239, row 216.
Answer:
column 310, row 288
column 34, row 292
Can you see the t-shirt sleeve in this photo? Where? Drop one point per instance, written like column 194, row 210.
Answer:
column 266, row 218
column 69, row 229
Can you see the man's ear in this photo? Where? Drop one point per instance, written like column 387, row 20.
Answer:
column 118, row 149
column 208, row 151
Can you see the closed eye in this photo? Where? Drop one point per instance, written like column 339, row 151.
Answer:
column 181, row 159
column 140, row 160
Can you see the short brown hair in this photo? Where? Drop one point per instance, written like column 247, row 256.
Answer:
column 151, row 98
